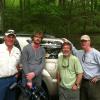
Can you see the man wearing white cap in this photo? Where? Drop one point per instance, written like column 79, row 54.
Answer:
column 9, row 59
column 90, row 61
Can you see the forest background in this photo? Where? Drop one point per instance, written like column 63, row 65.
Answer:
column 61, row 18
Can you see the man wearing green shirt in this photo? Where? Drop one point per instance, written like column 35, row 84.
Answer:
column 69, row 74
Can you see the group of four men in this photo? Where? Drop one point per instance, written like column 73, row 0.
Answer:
column 69, row 74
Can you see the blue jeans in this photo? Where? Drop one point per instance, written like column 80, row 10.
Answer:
column 5, row 92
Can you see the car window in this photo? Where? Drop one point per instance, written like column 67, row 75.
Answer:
column 52, row 48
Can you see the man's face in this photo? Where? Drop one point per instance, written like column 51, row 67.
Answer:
column 37, row 39
column 85, row 44
column 9, row 40
column 66, row 50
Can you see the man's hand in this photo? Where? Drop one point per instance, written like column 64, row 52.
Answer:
column 94, row 79
column 74, row 87
column 19, row 67
column 29, row 84
column 30, row 76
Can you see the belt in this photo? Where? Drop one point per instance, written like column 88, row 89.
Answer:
column 86, row 79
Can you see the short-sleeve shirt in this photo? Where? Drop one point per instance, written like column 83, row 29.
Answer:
column 68, row 69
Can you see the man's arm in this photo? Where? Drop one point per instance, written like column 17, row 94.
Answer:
column 79, row 73
column 97, row 60
column 74, row 50
column 78, row 79
column 77, row 82
column 23, row 61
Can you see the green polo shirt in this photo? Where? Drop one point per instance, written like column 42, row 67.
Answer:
column 68, row 68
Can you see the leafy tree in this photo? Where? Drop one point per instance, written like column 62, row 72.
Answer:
column 59, row 17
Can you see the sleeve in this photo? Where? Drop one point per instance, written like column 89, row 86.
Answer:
column 97, row 57
column 24, row 60
column 77, row 66
column 38, row 68
column 74, row 51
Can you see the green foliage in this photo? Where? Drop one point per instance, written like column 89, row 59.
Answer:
column 73, row 17
column 12, row 3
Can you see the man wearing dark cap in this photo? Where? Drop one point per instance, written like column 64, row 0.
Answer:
column 90, row 61
column 9, row 59
column 33, row 61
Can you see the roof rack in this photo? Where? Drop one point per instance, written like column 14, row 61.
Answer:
column 25, row 35
column 49, row 36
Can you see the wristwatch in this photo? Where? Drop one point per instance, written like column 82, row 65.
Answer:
column 76, row 84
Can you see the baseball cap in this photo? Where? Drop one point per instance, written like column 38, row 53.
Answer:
column 10, row 32
column 85, row 37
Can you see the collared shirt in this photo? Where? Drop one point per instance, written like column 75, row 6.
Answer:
column 90, row 62
column 68, row 69
column 8, row 61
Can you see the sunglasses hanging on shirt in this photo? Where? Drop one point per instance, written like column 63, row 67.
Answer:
column 65, row 62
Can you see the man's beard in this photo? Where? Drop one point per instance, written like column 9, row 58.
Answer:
column 66, row 54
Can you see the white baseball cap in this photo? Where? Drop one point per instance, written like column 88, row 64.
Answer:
column 10, row 32
column 85, row 37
